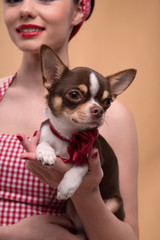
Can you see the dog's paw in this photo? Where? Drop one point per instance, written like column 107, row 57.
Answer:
column 68, row 186
column 71, row 181
column 64, row 191
column 64, row 194
column 46, row 155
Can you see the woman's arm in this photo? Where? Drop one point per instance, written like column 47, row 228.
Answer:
column 119, row 130
column 98, row 221
column 38, row 228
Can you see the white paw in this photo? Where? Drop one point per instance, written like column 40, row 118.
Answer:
column 46, row 154
column 70, row 182
column 65, row 190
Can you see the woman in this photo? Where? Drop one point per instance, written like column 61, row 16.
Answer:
column 31, row 213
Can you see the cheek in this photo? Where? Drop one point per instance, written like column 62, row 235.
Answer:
column 10, row 17
column 7, row 19
column 9, row 14
column 58, row 19
column 56, row 106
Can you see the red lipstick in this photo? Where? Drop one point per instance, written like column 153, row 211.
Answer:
column 29, row 30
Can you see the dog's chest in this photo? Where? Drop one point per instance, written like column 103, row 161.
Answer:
column 60, row 146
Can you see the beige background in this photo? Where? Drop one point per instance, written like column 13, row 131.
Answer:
column 122, row 34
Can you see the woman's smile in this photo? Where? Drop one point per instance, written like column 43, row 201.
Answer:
column 40, row 23
column 29, row 30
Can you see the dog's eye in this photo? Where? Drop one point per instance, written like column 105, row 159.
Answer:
column 74, row 96
column 107, row 102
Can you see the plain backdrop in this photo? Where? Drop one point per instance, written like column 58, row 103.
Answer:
column 121, row 34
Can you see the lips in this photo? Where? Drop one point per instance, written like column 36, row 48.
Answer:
column 29, row 30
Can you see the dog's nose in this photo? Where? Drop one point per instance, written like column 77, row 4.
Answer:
column 97, row 111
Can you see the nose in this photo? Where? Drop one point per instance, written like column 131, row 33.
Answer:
column 27, row 9
column 96, row 111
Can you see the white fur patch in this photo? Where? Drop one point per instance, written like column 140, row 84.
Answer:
column 94, row 84
column 71, row 181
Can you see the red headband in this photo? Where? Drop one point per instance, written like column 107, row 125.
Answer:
column 86, row 9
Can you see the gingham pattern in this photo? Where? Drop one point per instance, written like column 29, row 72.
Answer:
column 5, row 85
column 21, row 193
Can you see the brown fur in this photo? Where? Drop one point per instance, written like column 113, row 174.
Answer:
column 59, row 80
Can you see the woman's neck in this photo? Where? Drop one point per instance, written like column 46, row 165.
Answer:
column 29, row 74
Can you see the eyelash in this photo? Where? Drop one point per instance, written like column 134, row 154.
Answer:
column 13, row 1
column 16, row 1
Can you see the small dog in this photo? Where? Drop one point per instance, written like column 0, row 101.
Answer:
column 77, row 102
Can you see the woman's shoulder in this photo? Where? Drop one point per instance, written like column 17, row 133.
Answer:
column 119, row 114
column 119, row 124
column 119, row 111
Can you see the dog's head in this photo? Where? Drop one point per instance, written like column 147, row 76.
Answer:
column 81, row 96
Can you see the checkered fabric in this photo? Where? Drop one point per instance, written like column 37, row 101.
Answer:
column 21, row 193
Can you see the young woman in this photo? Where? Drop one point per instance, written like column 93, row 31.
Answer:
column 29, row 209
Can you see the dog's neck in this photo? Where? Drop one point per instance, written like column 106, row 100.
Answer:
column 64, row 128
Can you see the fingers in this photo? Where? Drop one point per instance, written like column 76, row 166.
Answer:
column 29, row 145
column 95, row 169
column 62, row 221
column 59, row 220
column 46, row 175
column 94, row 160
column 29, row 156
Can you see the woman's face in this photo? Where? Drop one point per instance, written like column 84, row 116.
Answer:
column 32, row 23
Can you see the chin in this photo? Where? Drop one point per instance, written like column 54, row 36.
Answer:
column 28, row 46
column 86, row 125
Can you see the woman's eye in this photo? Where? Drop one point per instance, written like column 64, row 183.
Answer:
column 13, row 1
column 46, row 0
column 16, row 1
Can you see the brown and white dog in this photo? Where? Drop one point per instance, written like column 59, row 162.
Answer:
column 77, row 102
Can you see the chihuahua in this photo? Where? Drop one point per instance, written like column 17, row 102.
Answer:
column 77, row 101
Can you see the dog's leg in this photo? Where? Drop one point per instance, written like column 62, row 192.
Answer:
column 46, row 154
column 71, row 181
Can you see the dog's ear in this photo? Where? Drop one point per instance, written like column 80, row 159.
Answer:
column 120, row 81
column 51, row 65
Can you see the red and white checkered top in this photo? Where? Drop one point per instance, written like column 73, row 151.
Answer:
column 21, row 193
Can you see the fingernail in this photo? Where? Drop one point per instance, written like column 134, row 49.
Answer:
column 35, row 133
column 20, row 138
column 95, row 155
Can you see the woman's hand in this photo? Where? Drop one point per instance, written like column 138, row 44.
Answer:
column 39, row 228
column 54, row 174
column 92, row 179
column 48, row 175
